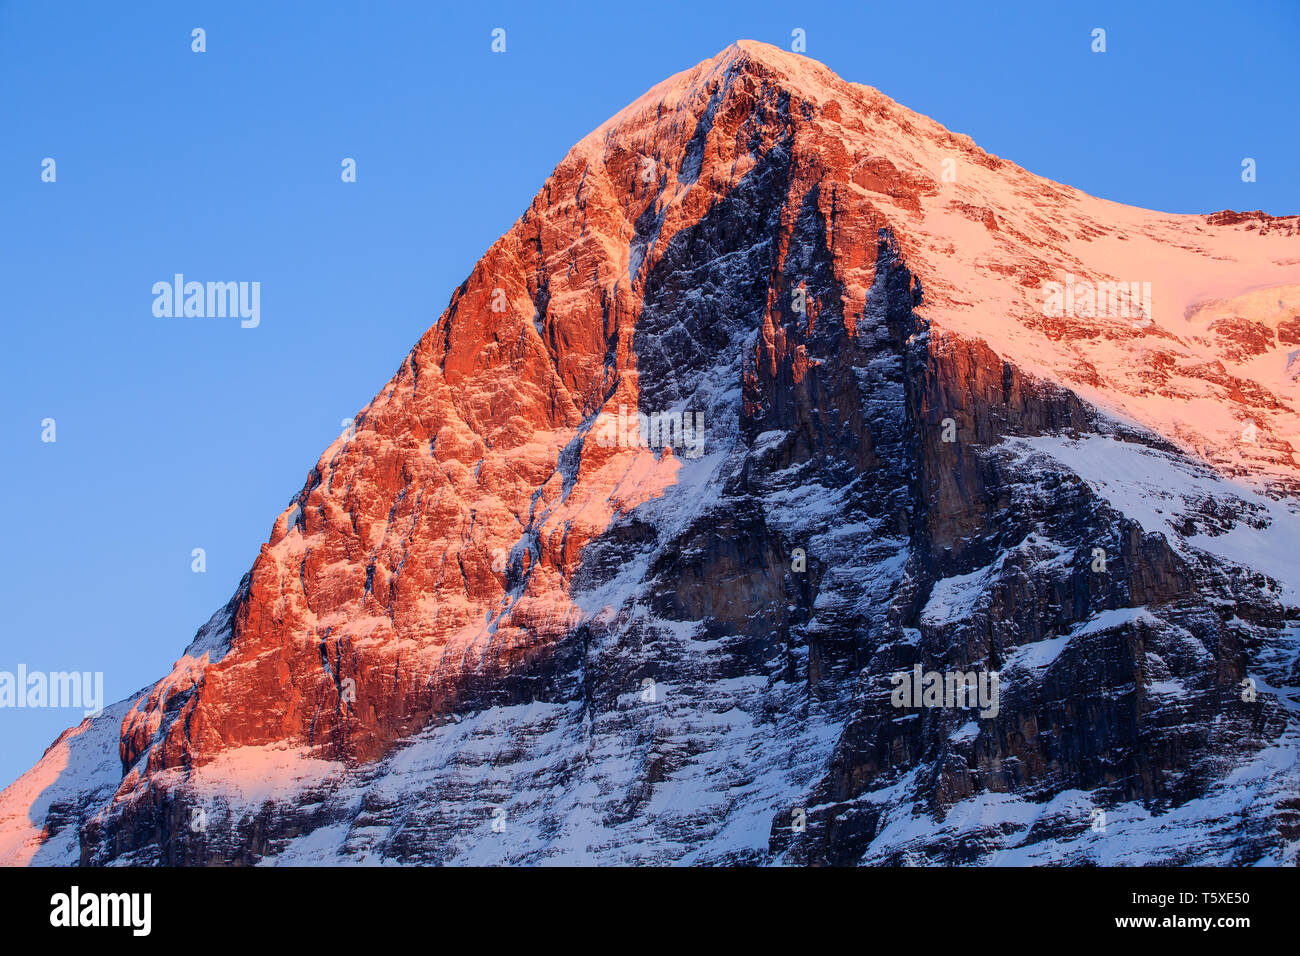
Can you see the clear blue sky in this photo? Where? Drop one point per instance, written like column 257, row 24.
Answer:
column 181, row 433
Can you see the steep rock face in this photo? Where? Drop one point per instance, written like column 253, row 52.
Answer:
column 495, row 626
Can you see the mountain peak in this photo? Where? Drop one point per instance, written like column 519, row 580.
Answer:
column 776, row 390
column 990, row 241
column 696, row 87
column 758, row 52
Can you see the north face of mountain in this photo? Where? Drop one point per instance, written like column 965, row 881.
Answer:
column 497, row 625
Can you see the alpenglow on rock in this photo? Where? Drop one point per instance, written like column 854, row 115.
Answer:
column 775, row 392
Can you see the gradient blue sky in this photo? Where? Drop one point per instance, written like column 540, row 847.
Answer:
column 183, row 433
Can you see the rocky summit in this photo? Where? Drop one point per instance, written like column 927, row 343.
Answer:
column 794, row 483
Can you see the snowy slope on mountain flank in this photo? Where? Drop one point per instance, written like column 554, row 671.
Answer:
column 919, row 424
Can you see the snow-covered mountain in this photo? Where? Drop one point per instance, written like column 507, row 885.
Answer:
column 912, row 409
